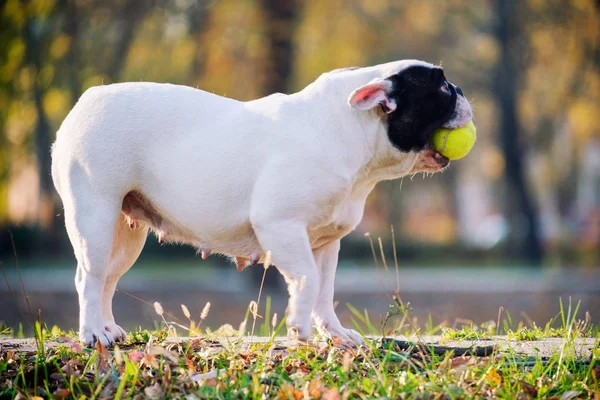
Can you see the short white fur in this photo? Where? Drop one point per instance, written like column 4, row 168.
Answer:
column 285, row 173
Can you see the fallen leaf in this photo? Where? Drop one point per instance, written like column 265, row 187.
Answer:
column 288, row 391
column 61, row 393
column 316, row 389
column 150, row 360
column 332, row 394
column 494, row 377
column 76, row 347
column 454, row 363
column 11, row 355
column 103, row 356
column 136, row 355
column 528, row 389
column 159, row 350
column 190, row 366
column 154, row 391
column 458, row 362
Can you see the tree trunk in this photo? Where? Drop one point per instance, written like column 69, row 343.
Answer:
column 33, row 34
column 72, row 30
column 280, row 19
column 530, row 247
column 198, row 20
column 134, row 13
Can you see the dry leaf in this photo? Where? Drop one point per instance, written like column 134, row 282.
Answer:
column 190, row 366
column 154, row 391
column 118, row 355
column 316, row 389
column 494, row 377
column 76, row 347
column 11, row 355
column 288, row 391
column 150, row 360
column 136, row 355
column 347, row 361
column 528, row 389
column 61, row 393
column 159, row 350
column 332, row 394
column 103, row 357
column 454, row 363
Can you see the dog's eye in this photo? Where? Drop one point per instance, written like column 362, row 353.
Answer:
column 445, row 88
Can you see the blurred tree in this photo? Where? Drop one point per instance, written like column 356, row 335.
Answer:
column 537, row 73
column 38, row 30
column 132, row 14
column 198, row 22
column 280, row 20
column 507, row 79
column 71, row 29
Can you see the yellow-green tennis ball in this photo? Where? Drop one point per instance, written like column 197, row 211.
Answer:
column 455, row 143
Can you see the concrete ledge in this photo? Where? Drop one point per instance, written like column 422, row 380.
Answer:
column 579, row 348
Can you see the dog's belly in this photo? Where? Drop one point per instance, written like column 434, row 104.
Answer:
column 237, row 240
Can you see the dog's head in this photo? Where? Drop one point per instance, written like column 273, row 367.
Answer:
column 413, row 99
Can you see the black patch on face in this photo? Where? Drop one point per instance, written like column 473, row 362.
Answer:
column 422, row 106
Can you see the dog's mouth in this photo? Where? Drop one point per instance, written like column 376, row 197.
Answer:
column 432, row 160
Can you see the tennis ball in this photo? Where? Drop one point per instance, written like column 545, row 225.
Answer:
column 455, row 143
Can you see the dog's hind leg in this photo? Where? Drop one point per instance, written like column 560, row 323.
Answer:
column 91, row 224
column 127, row 246
column 91, row 215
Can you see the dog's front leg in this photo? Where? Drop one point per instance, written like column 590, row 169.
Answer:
column 323, row 314
column 292, row 255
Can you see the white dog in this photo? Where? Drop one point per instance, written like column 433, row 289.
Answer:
column 286, row 173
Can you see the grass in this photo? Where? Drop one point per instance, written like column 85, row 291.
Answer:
column 226, row 364
column 221, row 364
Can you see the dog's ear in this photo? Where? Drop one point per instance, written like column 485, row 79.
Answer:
column 372, row 95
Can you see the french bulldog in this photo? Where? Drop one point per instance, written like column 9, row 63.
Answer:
column 288, row 174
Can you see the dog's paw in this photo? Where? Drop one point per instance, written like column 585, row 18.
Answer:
column 343, row 334
column 89, row 337
column 302, row 332
column 118, row 333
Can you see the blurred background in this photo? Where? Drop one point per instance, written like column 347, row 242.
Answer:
column 516, row 224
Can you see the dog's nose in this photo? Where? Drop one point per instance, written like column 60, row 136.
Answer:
column 459, row 91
